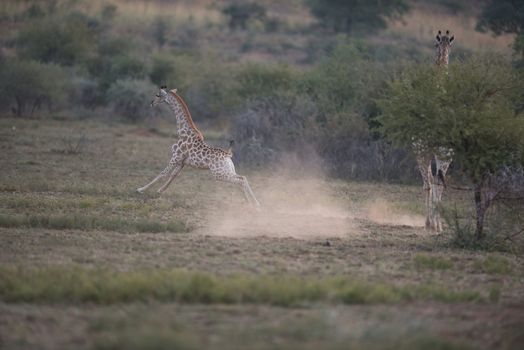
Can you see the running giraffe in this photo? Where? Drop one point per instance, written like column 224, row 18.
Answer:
column 432, row 166
column 193, row 151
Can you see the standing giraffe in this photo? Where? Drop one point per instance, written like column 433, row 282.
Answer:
column 433, row 166
column 193, row 151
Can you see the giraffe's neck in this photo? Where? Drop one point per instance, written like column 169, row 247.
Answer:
column 442, row 59
column 185, row 124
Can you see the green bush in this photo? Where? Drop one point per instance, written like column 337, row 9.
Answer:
column 432, row 262
column 67, row 40
column 259, row 81
column 116, row 58
column 240, row 14
column 274, row 124
column 209, row 92
column 130, row 98
column 30, row 85
column 172, row 71
column 344, row 86
column 494, row 264
column 85, row 92
column 160, row 28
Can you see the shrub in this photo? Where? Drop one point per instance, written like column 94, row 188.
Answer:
column 280, row 123
column 241, row 13
column 209, row 92
column 30, row 85
column 257, row 80
column 130, row 98
column 344, row 87
column 123, row 66
column 67, row 40
column 494, row 264
column 461, row 229
column 161, row 27
column 85, row 93
column 116, row 59
column 431, row 262
column 171, row 70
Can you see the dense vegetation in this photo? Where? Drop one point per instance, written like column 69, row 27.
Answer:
column 474, row 108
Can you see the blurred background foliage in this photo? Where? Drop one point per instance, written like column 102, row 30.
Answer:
column 300, row 77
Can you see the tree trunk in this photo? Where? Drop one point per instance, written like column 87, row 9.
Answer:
column 19, row 106
column 480, row 208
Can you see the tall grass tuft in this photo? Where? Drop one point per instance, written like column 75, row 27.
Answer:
column 431, row 262
column 61, row 284
column 90, row 222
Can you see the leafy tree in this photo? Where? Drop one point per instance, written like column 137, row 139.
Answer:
column 473, row 109
column 161, row 27
column 116, row 59
column 65, row 40
column 363, row 15
column 241, row 13
column 29, row 85
column 256, row 80
column 505, row 16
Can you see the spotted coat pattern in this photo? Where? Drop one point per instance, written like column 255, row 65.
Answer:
column 191, row 150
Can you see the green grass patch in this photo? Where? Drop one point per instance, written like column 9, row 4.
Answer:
column 90, row 222
column 431, row 262
column 134, row 333
column 61, row 284
column 493, row 264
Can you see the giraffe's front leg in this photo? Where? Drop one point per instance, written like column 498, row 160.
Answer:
column 162, row 174
column 174, row 173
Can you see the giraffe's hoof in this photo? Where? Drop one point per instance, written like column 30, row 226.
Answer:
column 140, row 190
column 161, row 190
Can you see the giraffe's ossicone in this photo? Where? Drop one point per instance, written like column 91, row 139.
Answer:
column 190, row 149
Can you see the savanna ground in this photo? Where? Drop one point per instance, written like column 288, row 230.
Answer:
column 86, row 262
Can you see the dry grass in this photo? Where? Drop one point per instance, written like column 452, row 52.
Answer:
column 315, row 244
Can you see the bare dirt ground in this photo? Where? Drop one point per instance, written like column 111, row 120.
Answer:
column 309, row 226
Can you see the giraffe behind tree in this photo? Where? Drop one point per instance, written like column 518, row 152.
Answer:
column 193, row 151
column 433, row 166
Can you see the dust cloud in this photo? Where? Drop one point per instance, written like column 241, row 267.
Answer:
column 297, row 201
column 298, row 208
column 380, row 211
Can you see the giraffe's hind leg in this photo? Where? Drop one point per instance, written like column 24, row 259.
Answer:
column 227, row 173
column 242, row 182
column 174, row 173
column 162, row 174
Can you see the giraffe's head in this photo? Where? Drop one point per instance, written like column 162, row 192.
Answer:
column 160, row 96
column 443, row 45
